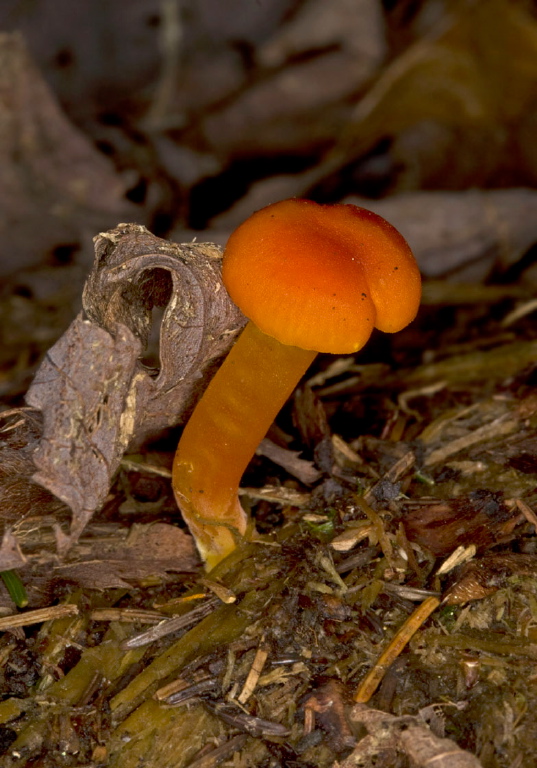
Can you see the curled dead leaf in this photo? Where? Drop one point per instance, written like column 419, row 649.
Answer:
column 96, row 396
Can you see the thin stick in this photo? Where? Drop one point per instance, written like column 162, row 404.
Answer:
column 37, row 616
column 369, row 684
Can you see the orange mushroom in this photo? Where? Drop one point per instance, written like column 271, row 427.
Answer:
column 311, row 278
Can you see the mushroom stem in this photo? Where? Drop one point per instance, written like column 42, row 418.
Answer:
column 227, row 425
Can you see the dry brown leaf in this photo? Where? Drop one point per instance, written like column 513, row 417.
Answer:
column 456, row 97
column 390, row 736
column 441, row 525
column 149, row 552
column 81, row 388
column 11, row 556
column 96, row 396
column 458, row 107
column 20, row 497
column 135, row 271
column 462, row 235
column 330, row 51
column 55, row 187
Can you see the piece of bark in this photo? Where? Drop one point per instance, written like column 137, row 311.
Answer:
column 96, row 396
column 55, row 187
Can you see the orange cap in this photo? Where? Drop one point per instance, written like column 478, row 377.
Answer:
column 321, row 277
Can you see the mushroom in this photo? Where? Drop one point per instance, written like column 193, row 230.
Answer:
column 310, row 278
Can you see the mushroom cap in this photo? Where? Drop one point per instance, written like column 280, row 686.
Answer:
column 321, row 277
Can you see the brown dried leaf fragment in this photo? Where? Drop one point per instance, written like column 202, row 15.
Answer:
column 146, row 552
column 96, row 396
column 11, row 556
column 330, row 702
column 20, row 431
column 81, row 388
column 134, row 272
column 481, row 518
column 20, row 497
column 55, row 187
column 390, row 736
column 425, row 749
column 300, row 468
column 484, row 576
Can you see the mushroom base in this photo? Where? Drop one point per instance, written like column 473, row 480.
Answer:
column 227, row 425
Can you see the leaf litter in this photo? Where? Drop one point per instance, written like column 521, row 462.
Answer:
column 401, row 477
column 308, row 615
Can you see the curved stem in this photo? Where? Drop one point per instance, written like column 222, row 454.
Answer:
column 227, row 425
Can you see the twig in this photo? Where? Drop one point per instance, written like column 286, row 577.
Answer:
column 371, row 681
column 38, row 616
column 171, row 625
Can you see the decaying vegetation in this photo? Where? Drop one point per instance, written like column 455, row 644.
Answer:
column 383, row 612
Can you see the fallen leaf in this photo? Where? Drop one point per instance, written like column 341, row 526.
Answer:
column 456, row 100
column 462, row 236
column 20, row 497
column 148, row 552
column 55, row 187
column 10, row 553
column 96, row 396
column 389, row 736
